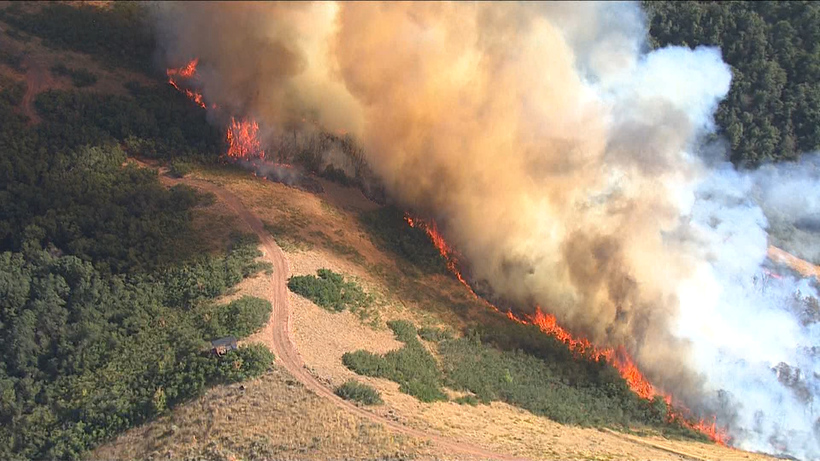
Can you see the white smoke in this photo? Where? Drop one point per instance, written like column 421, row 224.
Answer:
column 567, row 165
column 753, row 335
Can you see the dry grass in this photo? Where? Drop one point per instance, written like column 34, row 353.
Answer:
column 272, row 417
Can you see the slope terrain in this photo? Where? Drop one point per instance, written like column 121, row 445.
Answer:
column 309, row 342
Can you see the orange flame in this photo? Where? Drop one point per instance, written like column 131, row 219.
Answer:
column 243, row 143
column 548, row 324
column 186, row 72
column 804, row 268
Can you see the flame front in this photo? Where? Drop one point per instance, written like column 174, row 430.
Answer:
column 548, row 324
column 243, row 143
column 187, row 72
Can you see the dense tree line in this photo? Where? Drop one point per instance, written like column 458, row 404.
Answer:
column 772, row 112
column 105, row 311
column 87, row 355
column 121, row 35
column 66, row 177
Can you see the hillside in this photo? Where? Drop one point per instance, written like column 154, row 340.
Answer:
column 135, row 243
column 321, row 338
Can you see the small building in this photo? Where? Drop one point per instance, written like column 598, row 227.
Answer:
column 222, row 345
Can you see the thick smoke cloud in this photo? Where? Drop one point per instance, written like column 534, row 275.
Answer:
column 566, row 165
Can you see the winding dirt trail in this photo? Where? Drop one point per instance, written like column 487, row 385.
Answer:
column 283, row 346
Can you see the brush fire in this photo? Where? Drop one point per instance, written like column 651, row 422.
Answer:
column 547, row 323
column 589, row 186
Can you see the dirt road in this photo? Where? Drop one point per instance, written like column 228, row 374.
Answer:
column 280, row 328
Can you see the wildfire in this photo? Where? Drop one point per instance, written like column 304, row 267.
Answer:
column 804, row 268
column 548, row 324
column 243, row 143
column 187, row 72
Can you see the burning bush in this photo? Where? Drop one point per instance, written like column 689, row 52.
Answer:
column 390, row 231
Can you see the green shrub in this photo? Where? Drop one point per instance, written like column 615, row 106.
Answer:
column 12, row 91
column 246, row 362
column 239, row 318
column 329, row 290
column 118, row 35
column 15, row 61
column 770, row 113
column 140, row 355
column 576, row 391
column 179, row 168
column 423, row 390
column 354, row 390
column 210, row 277
column 434, row 334
column 405, row 331
column 412, row 366
column 393, row 233
column 338, row 175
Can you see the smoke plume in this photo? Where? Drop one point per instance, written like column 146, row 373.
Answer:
column 568, row 166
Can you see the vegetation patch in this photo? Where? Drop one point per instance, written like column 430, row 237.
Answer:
column 79, row 77
column 119, row 35
column 330, row 290
column 434, row 334
column 179, row 168
column 89, row 354
column 520, row 365
column 99, row 285
column 412, row 366
column 359, row 392
column 152, row 122
column 467, row 400
column 12, row 92
column 239, row 318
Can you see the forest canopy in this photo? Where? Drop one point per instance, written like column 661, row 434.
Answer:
column 772, row 112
